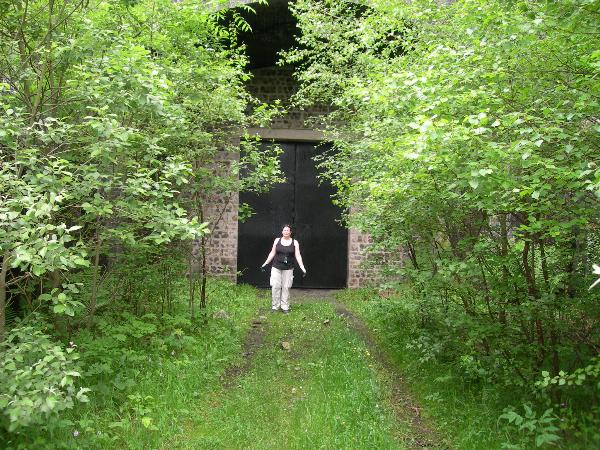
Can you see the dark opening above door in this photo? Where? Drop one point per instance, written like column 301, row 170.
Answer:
column 306, row 205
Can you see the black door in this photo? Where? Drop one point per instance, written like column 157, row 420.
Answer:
column 306, row 205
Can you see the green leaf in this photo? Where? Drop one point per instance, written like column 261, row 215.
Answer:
column 81, row 261
column 546, row 438
column 51, row 402
column 81, row 395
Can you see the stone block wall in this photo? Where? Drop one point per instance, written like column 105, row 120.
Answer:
column 358, row 274
column 221, row 211
column 364, row 267
column 277, row 83
column 221, row 244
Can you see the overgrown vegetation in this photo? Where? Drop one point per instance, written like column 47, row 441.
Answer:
column 144, row 374
column 465, row 408
column 467, row 135
column 466, row 143
column 114, row 121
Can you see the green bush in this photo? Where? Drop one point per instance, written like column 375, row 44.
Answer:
column 38, row 379
column 540, row 429
column 115, row 353
column 465, row 140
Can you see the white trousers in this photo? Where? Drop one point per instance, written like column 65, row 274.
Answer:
column 281, row 282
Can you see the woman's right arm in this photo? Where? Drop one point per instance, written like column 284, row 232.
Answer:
column 272, row 254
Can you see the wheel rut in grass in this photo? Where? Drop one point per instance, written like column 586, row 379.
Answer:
column 419, row 431
column 405, row 408
column 252, row 343
column 403, row 404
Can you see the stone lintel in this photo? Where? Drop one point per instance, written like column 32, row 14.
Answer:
column 296, row 135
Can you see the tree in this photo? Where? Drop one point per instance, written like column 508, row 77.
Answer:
column 467, row 133
column 110, row 112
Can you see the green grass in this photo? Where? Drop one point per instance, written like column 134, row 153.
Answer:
column 326, row 392
column 166, row 395
column 466, row 414
column 323, row 393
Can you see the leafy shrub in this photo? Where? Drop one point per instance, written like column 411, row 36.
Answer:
column 114, row 354
column 588, row 375
column 427, row 348
column 38, row 379
column 473, row 369
column 541, row 429
column 474, row 156
column 577, row 386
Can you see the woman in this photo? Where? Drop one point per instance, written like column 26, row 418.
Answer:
column 285, row 250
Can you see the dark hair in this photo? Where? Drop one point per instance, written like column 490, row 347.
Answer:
column 289, row 226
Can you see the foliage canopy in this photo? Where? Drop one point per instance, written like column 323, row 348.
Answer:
column 112, row 117
column 467, row 135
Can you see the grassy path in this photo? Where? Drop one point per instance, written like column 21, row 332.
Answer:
column 328, row 389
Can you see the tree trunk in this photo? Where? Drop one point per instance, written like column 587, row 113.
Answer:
column 203, row 269
column 486, row 290
column 3, row 272
column 191, row 281
column 504, row 254
column 95, row 276
column 55, row 279
column 528, row 271
column 544, row 260
column 412, row 254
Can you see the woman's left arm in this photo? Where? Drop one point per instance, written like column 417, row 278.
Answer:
column 299, row 256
